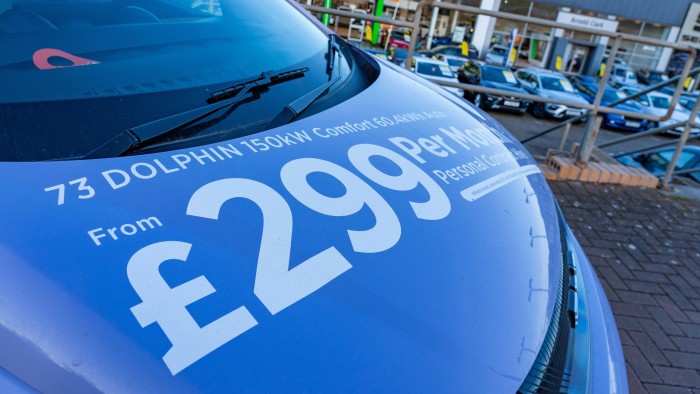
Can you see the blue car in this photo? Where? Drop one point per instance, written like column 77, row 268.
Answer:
column 615, row 121
column 238, row 200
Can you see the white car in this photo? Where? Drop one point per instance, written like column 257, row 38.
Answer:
column 436, row 70
column 658, row 104
column 455, row 62
column 496, row 54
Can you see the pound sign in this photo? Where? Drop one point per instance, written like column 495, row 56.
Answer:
column 166, row 306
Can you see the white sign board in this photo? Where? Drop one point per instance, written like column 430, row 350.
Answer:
column 458, row 34
column 690, row 32
column 590, row 22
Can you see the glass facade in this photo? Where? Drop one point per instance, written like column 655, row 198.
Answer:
column 532, row 40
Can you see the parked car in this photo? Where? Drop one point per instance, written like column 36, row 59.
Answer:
column 623, row 75
column 496, row 55
column 474, row 72
column 399, row 39
column 687, row 101
column 657, row 161
column 377, row 52
column 554, row 85
column 246, row 203
column 436, row 70
column 455, row 62
column 441, row 40
column 450, row 50
column 658, row 104
column 614, row 121
column 651, row 77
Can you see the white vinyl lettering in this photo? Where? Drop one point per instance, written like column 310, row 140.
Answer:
column 275, row 284
column 166, row 306
column 438, row 205
column 382, row 236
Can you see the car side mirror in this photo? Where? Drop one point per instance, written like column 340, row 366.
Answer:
column 533, row 84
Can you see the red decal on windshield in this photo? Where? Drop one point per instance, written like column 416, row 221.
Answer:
column 41, row 59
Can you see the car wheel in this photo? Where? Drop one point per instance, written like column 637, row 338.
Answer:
column 538, row 110
column 478, row 100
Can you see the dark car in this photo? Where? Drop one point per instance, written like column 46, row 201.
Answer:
column 475, row 72
column 651, row 77
column 554, row 85
column 657, row 161
column 614, row 121
column 451, row 50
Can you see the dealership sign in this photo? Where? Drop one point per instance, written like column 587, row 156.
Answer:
column 690, row 32
column 590, row 22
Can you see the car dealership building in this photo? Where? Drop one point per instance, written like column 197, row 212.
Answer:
column 559, row 48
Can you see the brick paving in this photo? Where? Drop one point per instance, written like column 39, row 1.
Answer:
column 645, row 247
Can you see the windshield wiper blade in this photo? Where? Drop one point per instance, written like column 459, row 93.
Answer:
column 137, row 137
column 295, row 108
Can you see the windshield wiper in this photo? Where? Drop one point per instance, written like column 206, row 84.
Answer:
column 137, row 137
column 295, row 108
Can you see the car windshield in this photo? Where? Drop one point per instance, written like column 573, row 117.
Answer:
column 498, row 50
column 434, row 70
column 495, row 74
column 611, row 95
column 75, row 73
column 661, row 102
column 557, row 84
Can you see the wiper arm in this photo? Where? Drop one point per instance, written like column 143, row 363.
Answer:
column 136, row 137
column 294, row 109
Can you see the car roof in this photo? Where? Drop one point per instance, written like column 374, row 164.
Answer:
column 657, row 94
column 542, row 71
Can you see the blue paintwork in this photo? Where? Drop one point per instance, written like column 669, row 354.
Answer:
column 613, row 120
column 456, row 305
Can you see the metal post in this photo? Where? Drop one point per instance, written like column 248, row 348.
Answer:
column 567, row 129
column 593, row 124
column 376, row 27
column 431, row 32
column 391, row 27
column 681, row 143
column 455, row 19
column 522, row 37
column 417, row 16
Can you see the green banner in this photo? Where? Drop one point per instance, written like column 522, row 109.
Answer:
column 326, row 18
column 376, row 28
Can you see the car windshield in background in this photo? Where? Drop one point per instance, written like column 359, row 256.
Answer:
column 434, row 70
column 661, row 102
column 85, row 71
column 495, row 74
column 610, row 95
column 557, row 84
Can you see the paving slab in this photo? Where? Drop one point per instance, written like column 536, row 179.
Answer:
column 645, row 246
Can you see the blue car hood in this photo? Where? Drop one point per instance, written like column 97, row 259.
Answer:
column 386, row 244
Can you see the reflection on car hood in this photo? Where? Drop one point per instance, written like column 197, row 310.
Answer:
column 388, row 289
